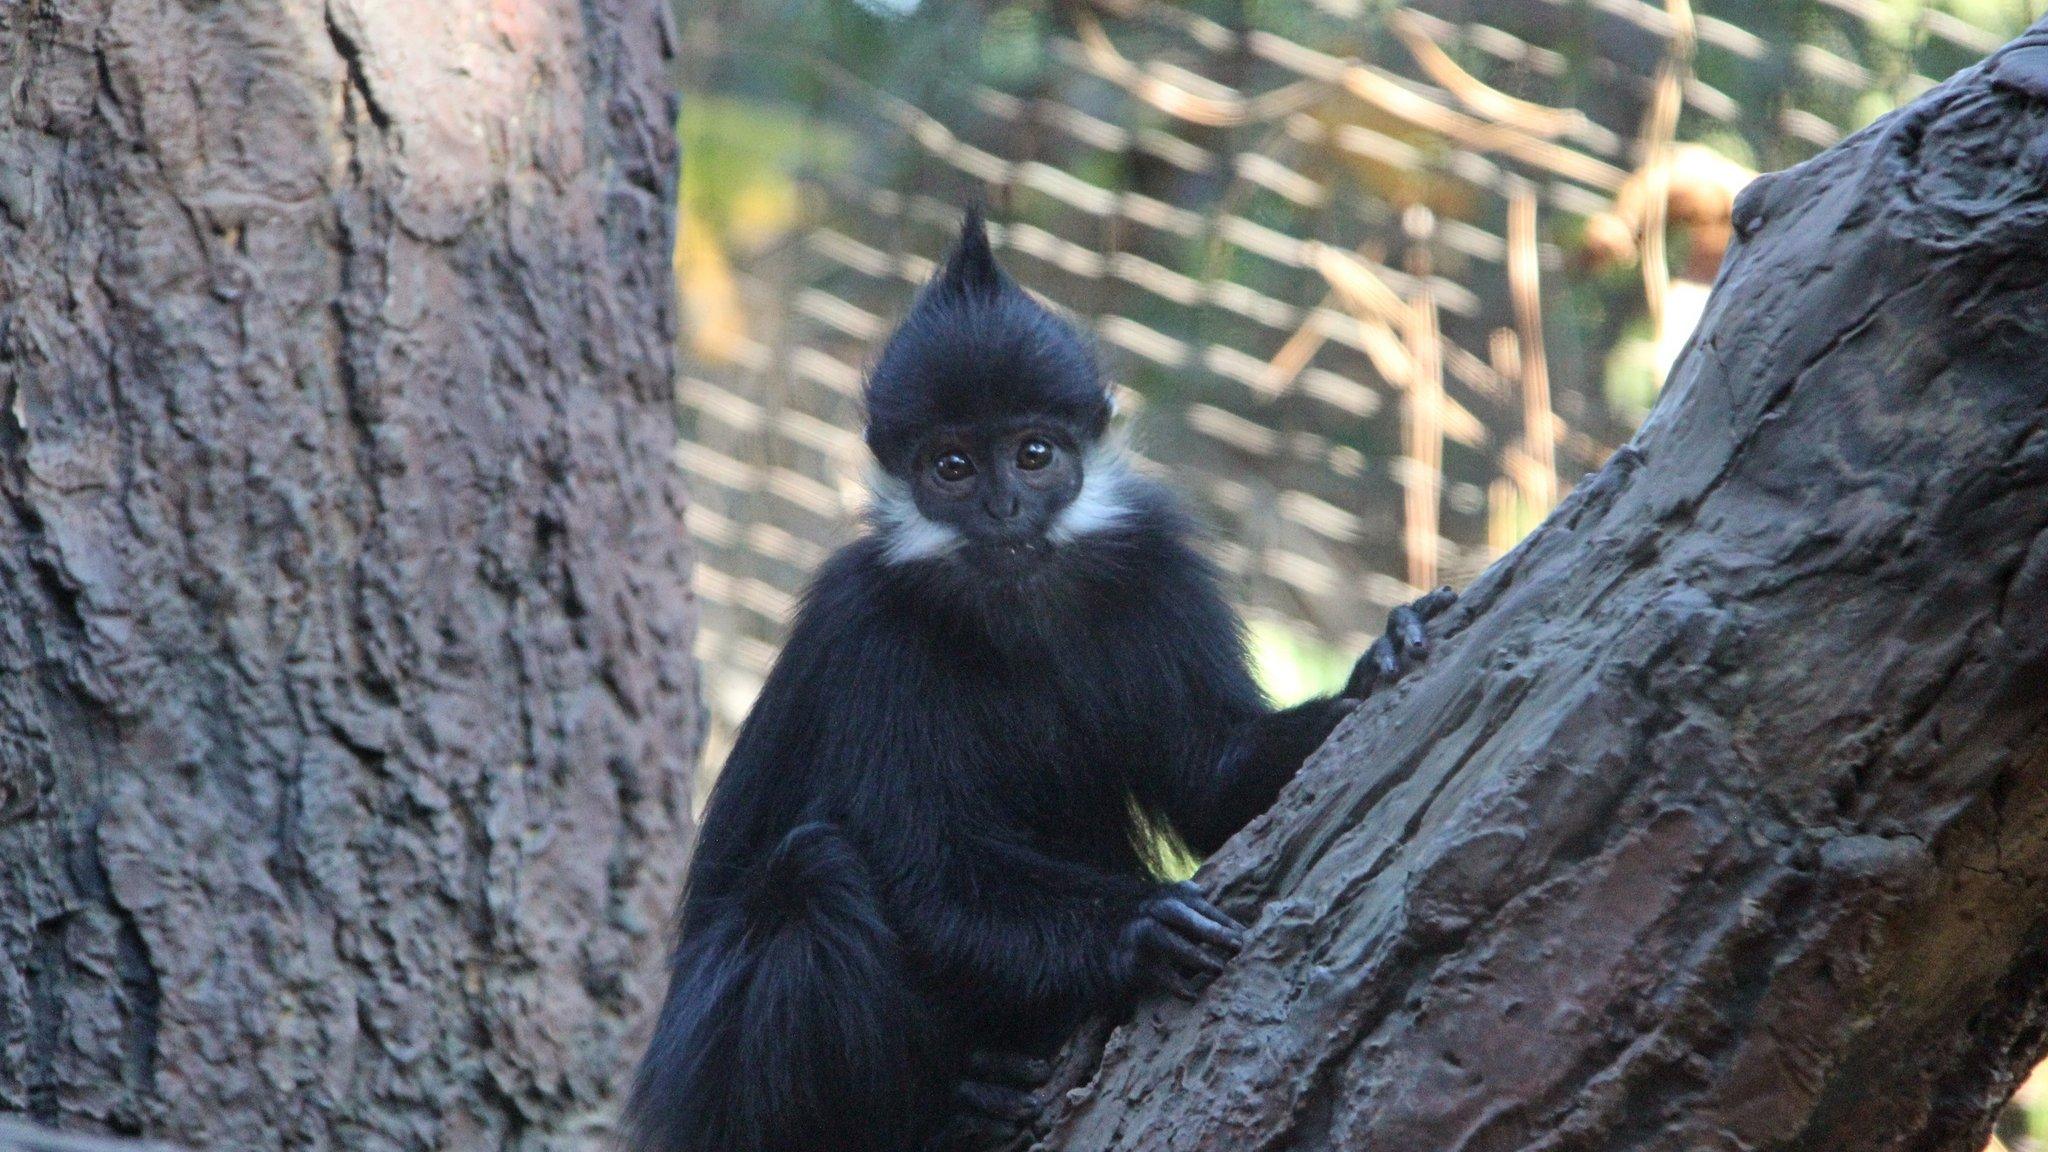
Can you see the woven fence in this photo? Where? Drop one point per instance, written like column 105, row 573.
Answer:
column 1377, row 283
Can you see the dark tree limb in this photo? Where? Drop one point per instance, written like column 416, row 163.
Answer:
column 1720, row 819
column 346, row 697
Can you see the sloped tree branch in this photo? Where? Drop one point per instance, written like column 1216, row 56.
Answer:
column 1720, row 818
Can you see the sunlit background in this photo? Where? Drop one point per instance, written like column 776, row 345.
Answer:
column 1378, row 282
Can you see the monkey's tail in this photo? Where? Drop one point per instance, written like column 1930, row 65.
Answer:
column 790, row 1024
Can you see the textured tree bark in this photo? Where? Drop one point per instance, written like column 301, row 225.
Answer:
column 21, row 1136
column 346, row 702
column 1720, row 818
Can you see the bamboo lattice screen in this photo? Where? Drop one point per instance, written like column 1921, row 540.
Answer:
column 1341, row 257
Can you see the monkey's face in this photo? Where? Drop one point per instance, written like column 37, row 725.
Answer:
column 1000, row 488
column 986, row 414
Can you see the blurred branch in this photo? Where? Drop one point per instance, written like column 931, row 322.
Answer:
column 1537, row 473
column 1378, row 310
column 1390, row 97
column 1422, row 440
column 1223, row 109
column 1480, row 97
column 1660, row 136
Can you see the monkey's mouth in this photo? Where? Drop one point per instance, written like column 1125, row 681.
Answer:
column 1015, row 556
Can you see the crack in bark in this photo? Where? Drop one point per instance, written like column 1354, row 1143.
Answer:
column 351, row 54
column 46, row 968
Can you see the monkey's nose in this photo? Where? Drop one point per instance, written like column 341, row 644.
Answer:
column 1003, row 505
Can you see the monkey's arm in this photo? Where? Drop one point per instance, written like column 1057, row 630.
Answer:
column 1008, row 931
column 1254, row 758
column 1252, row 752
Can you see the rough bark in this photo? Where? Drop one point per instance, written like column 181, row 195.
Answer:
column 346, row 703
column 1720, row 819
column 19, row 1136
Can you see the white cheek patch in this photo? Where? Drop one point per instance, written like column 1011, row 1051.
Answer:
column 907, row 534
column 1104, row 501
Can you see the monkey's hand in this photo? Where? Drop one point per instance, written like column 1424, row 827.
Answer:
column 1405, row 645
column 1178, row 941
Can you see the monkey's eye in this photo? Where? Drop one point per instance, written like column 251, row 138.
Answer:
column 1033, row 454
column 953, row 467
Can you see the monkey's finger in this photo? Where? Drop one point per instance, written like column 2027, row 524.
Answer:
column 978, row 1134
column 1214, row 960
column 1385, row 660
column 1012, row 1069
column 1181, row 986
column 1192, row 913
column 1191, row 894
column 1190, row 952
column 1365, row 676
column 1183, row 954
column 963, row 1133
column 1217, row 916
column 1431, row 606
column 1404, row 629
column 996, row 1101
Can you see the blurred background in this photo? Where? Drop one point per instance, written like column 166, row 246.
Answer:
column 1377, row 282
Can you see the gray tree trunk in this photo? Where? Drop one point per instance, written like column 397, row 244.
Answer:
column 1720, row 819
column 346, row 701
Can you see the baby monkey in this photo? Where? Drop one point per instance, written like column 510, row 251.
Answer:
column 931, row 853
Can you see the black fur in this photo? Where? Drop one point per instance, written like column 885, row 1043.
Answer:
column 969, row 326
column 931, row 838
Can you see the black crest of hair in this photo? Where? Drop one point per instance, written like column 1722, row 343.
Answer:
column 974, row 347
column 933, row 848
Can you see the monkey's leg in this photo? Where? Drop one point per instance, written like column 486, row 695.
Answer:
column 987, row 1116
column 997, row 1103
column 999, row 1085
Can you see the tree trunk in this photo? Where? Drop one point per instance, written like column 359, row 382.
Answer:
column 346, row 700
column 1720, row 818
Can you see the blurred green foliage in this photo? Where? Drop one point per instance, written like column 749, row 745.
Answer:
column 745, row 155
column 1292, row 665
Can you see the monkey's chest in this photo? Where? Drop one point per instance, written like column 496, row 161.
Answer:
column 1063, row 763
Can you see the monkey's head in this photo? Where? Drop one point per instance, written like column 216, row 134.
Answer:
column 987, row 413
